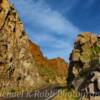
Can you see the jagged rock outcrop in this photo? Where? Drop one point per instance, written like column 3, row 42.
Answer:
column 22, row 64
column 16, row 62
column 84, row 68
column 35, row 51
column 54, row 70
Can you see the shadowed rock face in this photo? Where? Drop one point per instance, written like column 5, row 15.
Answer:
column 16, row 62
column 84, row 68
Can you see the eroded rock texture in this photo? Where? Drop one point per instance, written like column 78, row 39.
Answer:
column 16, row 61
column 22, row 63
column 84, row 68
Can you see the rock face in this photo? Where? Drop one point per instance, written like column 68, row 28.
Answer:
column 54, row 70
column 84, row 68
column 21, row 61
column 16, row 62
column 35, row 51
column 59, row 65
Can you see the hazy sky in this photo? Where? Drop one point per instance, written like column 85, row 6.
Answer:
column 54, row 24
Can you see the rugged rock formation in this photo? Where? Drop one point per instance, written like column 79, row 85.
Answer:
column 84, row 68
column 35, row 51
column 16, row 62
column 22, row 64
column 51, row 70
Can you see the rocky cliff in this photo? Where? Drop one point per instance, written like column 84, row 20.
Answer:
column 16, row 62
column 84, row 68
column 22, row 64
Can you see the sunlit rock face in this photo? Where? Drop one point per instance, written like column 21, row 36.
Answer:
column 16, row 62
column 84, row 68
column 22, row 63
column 52, row 70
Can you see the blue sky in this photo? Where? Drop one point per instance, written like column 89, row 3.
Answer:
column 54, row 24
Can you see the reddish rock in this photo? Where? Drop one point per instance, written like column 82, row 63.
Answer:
column 57, row 65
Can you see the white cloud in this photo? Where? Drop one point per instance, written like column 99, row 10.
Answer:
column 40, row 13
column 52, row 46
column 42, row 16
